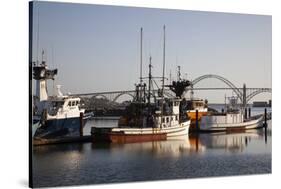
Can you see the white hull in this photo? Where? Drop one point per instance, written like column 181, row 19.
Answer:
column 221, row 126
column 172, row 132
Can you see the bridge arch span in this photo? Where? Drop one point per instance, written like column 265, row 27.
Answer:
column 121, row 94
column 226, row 81
column 100, row 95
column 257, row 92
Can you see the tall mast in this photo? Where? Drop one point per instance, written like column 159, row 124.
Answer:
column 163, row 74
column 179, row 73
column 149, row 81
column 37, row 45
column 163, row 78
column 43, row 57
column 141, row 55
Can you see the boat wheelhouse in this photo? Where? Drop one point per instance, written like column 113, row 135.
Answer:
column 196, row 104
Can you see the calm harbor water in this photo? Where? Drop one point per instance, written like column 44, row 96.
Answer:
column 205, row 155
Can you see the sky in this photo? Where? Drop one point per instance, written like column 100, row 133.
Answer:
column 97, row 48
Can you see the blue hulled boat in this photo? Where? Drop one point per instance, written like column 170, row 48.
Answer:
column 55, row 116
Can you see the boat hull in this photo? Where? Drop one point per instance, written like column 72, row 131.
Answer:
column 56, row 128
column 132, row 138
column 130, row 135
column 232, row 127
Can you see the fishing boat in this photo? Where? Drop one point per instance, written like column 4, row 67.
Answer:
column 147, row 120
column 155, row 126
column 151, row 116
column 231, row 120
column 58, row 115
column 192, row 104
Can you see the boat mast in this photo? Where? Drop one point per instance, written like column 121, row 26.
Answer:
column 163, row 74
column 163, row 78
column 37, row 48
column 149, row 81
column 141, row 56
column 43, row 57
column 179, row 73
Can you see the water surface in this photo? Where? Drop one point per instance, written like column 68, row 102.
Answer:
column 204, row 155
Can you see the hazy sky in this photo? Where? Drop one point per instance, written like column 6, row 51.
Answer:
column 97, row 48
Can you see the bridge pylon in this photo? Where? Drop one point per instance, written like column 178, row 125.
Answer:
column 244, row 97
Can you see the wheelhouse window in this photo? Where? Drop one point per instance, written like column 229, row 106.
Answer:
column 176, row 103
column 57, row 104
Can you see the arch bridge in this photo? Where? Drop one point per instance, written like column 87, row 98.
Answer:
column 244, row 94
column 111, row 97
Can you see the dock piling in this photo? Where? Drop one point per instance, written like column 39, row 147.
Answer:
column 245, row 112
column 81, row 124
column 197, row 124
column 265, row 118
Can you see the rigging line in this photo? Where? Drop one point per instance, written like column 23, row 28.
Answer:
column 155, row 84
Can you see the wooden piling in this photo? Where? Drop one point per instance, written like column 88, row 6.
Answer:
column 249, row 112
column 81, row 124
column 196, row 120
column 265, row 117
column 265, row 134
column 245, row 112
column 265, row 125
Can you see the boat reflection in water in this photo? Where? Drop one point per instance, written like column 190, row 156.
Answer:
column 171, row 148
column 230, row 142
column 193, row 156
column 197, row 143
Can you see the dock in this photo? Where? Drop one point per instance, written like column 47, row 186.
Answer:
column 78, row 139
column 89, row 138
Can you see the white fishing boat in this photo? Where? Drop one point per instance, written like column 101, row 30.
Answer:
column 156, row 126
column 151, row 116
column 147, row 120
column 231, row 120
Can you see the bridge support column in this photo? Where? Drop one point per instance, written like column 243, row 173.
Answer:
column 244, row 103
